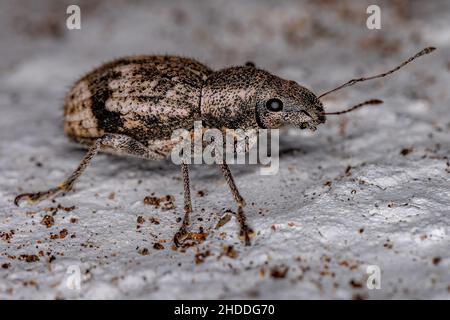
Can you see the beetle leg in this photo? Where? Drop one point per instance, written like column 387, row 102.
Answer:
column 119, row 143
column 67, row 185
column 183, row 233
column 245, row 231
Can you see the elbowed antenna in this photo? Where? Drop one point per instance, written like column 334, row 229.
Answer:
column 365, row 103
column 353, row 81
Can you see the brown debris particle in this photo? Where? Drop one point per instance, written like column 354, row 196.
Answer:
column 355, row 284
column 343, row 263
column 63, row 233
column 7, row 236
column 140, row 220
column 198, row 236
column 229, row 251
column 166, row 202
column 48, row 221
column 201, row 193
column 406, row 151
column 158, row 246
column 153, row 201
column 54, row 210
column 111, row 196
column 359, row 297
column 201, row 256
column 262, row 272
column 168, row 206
column 279, row 273
column 388, row 245
column 153, row 220
column 223, row 221
column 66, row 209
column 436, row 260
column 143, row 251
column 73, row 220
column 348, row 171
column 29, row 258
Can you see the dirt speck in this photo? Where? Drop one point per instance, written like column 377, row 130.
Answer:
column 63, row 233
column 279, row 272
column 436, row 260
column 29, row 258
column 201, row 256
column 143, row 251
column 48, row 221
column 165, row 202
column 355, row 284
column 140, row 220
column 7, row 236
column 229, row 251
column 223, row 220
column 153, row 220
column 406, row 151
column 201, row 193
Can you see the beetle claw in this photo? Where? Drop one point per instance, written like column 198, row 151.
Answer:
column 31, row 198
column 180, row 237
column 245, row 234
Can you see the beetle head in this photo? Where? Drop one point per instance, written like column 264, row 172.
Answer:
column 284, row 102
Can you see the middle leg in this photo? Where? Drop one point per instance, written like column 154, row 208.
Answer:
column 245, row 231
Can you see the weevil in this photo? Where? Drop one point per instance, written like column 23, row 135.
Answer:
column 131, row 106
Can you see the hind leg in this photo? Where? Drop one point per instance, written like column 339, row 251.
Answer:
column 119, row 143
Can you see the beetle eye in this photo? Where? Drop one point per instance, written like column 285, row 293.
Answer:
column 274, row 105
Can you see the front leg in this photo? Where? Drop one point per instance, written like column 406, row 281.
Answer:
column 183, row 232
column 245, row 231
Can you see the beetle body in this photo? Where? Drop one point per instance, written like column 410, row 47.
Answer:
column 146, row 98
column 131, row 106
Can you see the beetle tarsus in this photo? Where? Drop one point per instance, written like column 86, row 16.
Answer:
column 245, row 232
column 33, row 198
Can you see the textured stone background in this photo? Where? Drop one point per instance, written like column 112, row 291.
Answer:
column 317, row 219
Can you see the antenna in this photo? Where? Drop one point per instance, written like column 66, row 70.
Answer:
column 353, row 81
column 365, row 103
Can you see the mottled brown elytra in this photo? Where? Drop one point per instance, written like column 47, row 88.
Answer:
column 131, row 106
